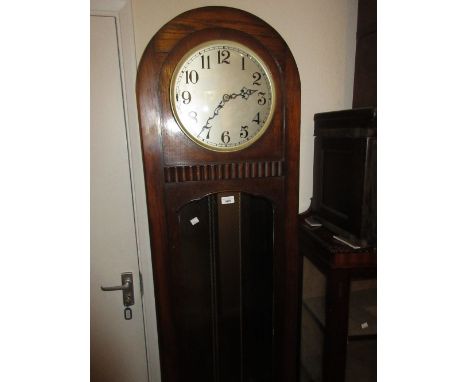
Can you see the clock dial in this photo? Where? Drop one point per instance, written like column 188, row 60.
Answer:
column 222, row 96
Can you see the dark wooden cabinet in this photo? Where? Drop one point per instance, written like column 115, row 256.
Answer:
column 345, row 173
column 339, row 322
column 227, row 276
column 343, row 206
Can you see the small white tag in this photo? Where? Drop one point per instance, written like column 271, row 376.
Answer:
column 364, row 325
column 227, row 199
column 194, row 221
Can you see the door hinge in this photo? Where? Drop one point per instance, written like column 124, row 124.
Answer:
column 141, row 283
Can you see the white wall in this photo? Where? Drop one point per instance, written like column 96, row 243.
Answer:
column 321, row 35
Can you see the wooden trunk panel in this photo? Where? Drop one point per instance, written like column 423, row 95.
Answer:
column 249, row 291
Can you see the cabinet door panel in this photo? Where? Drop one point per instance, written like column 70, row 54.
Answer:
column 222, row 277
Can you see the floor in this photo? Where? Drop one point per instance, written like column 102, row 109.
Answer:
column 361, row 366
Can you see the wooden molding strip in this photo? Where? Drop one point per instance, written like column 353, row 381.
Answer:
column 223, row 171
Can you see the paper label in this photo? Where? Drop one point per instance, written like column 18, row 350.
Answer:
column 194, row 221
column 227, row 199
column 364, row 325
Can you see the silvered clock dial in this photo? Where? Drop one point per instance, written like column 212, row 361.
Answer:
column 222, row 95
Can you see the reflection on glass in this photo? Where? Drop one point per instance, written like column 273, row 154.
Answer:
column 313, row 323
column 361, row 362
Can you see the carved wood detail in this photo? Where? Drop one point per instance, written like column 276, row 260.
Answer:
column 223, row 171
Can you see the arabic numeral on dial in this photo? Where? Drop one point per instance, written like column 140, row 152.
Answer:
column 244, row 133
column 223, row 56
column 261, row 99
column 186, row 97
column 243, row 63
column 193, row 115
column 256, row 76
column 225, row 138
column 257, row 118
column 191, row 76
column 205, row 62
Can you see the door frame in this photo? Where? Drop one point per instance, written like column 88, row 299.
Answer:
column 121, row 11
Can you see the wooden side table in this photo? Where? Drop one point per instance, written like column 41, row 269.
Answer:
column 340, row 264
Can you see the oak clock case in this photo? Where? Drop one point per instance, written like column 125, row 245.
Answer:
column 218, row 96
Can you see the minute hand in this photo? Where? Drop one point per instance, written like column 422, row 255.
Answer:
column 244, row 93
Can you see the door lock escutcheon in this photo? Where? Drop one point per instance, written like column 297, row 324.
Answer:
column 126, row 288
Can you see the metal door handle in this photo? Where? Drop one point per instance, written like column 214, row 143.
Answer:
column 126, row 288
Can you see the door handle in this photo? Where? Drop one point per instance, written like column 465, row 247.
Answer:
column 126, row 288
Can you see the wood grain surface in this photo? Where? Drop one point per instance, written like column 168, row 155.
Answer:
column 182, row 179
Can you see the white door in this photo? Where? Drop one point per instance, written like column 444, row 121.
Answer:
column 118, row 349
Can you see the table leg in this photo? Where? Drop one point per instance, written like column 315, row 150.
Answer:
column 336, row 325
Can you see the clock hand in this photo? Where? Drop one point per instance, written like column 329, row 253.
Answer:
column 244, row 93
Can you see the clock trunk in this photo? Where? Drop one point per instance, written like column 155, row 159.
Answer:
column 223, row 228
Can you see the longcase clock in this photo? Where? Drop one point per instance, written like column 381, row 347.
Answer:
column 219, row 107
